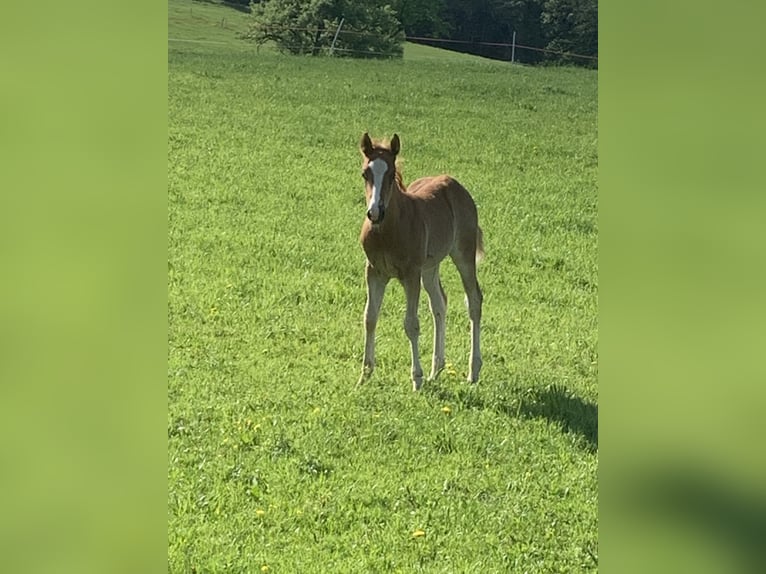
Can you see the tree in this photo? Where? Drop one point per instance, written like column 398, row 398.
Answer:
column 571, row 26
column 422, row 17
column 523, row 18
column 482, row 22
column 370, row 29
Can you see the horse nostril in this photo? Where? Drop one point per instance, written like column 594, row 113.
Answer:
column 376, row 217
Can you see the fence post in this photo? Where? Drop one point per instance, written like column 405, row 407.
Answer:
column 332, row 47
column 513, row 48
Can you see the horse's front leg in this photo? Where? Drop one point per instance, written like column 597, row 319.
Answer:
column 411, row 285
column 376, row 288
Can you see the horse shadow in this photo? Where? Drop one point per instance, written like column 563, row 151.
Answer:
column 573, row 414
column 554, row 403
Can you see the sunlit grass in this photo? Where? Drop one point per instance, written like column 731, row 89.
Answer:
column 276, row 460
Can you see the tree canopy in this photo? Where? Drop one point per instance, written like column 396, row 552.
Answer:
column 370, row 28
column 545, row 30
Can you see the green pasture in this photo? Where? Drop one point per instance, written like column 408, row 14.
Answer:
column 277, row 462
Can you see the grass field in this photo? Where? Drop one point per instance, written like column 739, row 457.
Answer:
column 276, row 461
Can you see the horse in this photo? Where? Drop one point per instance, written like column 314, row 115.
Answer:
column 406, row 233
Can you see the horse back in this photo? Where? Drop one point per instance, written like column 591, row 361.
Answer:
column 449, row 214
column 442, row 193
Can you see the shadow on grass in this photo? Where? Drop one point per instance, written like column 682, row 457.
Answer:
column 239, row 6
column 553, row 403
column 699, row 503
column 572, row 413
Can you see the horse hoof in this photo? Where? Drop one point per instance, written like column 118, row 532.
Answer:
column 435, row 372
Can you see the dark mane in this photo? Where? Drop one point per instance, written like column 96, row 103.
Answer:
column 399, row 180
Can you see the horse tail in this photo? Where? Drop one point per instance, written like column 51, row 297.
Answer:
column 479, row 244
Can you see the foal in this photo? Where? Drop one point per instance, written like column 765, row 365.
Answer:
column 406, row 235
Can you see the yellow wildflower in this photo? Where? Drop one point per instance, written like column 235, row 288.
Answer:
column 446, row 409
column 418, row 533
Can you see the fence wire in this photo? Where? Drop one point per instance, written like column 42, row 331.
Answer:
column 423, row 40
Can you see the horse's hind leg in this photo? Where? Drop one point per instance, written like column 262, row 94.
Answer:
column 438, row 302
column 465, row 260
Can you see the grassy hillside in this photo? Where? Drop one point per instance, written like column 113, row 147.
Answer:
column 277, row 462
column 202, row 21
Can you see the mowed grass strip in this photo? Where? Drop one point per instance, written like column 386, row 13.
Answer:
column 276, row 459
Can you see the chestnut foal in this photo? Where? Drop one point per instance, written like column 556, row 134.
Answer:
column 406, row 234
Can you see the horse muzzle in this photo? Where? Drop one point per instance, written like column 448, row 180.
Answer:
column 376, row 218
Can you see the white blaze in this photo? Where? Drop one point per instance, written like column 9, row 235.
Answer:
column 379, row 168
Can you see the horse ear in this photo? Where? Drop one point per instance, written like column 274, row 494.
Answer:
column 395, row 145
column 365, row 145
